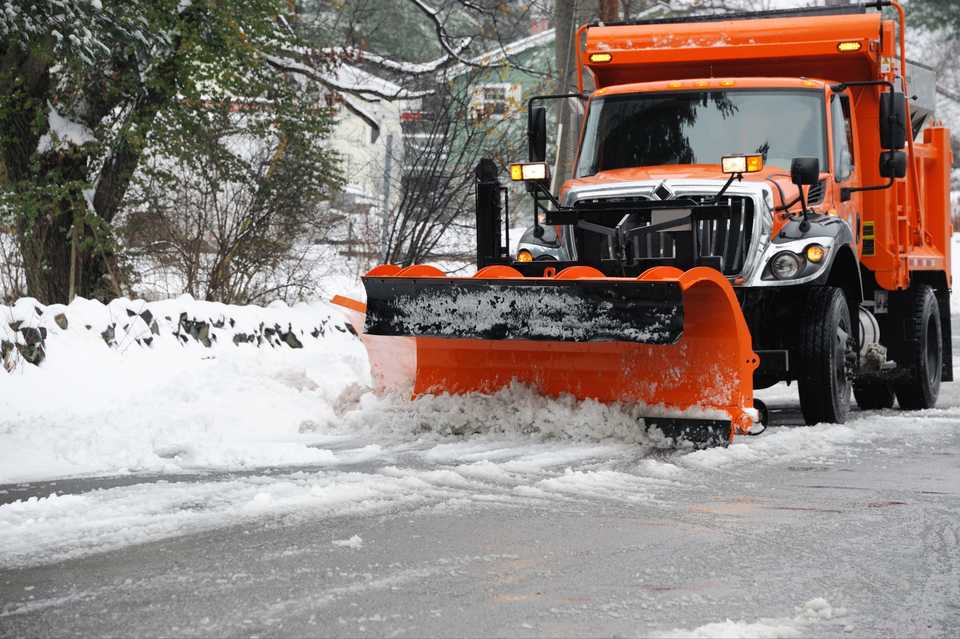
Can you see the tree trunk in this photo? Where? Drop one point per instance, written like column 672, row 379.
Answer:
column 609, row 11
column 564, row 18
column 45, row 239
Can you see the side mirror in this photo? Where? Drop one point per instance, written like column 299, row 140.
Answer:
column 893, row 120
column 893, row 164
column 537, row 133
column 805, row 171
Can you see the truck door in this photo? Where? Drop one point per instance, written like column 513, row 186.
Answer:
column 844, row 162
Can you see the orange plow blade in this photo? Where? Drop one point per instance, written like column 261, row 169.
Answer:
column 675, row 343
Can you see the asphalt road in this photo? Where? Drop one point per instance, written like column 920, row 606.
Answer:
column 871, row 527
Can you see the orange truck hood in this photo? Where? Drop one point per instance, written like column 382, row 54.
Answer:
column 685, row 172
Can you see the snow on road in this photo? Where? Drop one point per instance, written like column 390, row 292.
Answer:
column 581, row 452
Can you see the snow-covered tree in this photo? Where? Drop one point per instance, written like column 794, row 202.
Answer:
column 86, row 85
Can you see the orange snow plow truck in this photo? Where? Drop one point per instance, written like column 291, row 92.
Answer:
column 756, row 198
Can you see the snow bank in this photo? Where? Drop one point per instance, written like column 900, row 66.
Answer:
column 157, row 399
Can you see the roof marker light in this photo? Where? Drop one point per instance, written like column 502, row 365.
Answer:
column 675, row 85
column 734, row 164
column 600, row 57
column 727, row 83
column 529, row 172
column 849, row 46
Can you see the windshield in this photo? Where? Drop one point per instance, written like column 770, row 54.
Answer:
column 699, row 127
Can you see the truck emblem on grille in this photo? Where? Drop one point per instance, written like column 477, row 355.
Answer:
column 663, row 192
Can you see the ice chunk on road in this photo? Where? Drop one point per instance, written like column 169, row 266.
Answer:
column 354, row 542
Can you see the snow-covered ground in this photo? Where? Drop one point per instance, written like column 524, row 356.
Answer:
column 172, row 405
column 107, row 453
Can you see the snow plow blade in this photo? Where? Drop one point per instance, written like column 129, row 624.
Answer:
column 674, row 343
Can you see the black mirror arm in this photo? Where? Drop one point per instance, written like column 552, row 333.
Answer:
column 846, row 191
column 541, row 192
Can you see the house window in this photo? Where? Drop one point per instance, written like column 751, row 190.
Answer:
column 500, row 100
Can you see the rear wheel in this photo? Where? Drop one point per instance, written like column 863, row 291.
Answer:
column 826, row 340
column 920, row 352
column 873, row 395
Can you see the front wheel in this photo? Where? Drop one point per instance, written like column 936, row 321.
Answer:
column 921, row 352
column 826, row 340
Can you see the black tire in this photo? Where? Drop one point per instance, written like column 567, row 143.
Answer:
column 921, row 352
column 873, row 395
column 826, row 339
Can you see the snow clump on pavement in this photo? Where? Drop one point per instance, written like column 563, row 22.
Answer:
column 811, row 612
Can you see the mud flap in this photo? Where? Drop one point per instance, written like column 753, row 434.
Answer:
column 673, row 343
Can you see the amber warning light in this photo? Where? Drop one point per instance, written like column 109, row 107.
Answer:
column 600, row 57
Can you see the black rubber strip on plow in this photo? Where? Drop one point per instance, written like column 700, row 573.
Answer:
column 555, row 310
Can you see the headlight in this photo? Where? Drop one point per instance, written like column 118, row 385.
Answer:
column 523, row 255
column 785, row 265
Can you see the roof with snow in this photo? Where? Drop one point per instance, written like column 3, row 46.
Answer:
column 501, row 55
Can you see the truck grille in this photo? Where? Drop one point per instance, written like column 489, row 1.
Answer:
column 726, row 236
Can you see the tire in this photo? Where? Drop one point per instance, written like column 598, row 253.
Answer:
column 921, row 351
column 826, row 339
column 873, row 395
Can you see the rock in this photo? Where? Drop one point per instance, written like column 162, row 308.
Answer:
column 37, row 309
column 33, row 336
column 219, row 323
column 154, row 327
column 351, row 329
column 146, row 341
column 340, row 328
column 7, row 349
column 232, row 322
column 315, row 333
column 61, row 321
column 88, row 327
column 33, row 353
column 109, row 335
column 147, row 317
column 203, row 333
column 292, row 340
column 130, row 313
column 15, row 326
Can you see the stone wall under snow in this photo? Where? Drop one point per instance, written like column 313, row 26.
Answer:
column 30, row 331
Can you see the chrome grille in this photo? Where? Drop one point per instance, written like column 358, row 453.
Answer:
column 729, row 237
column 726, row 236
